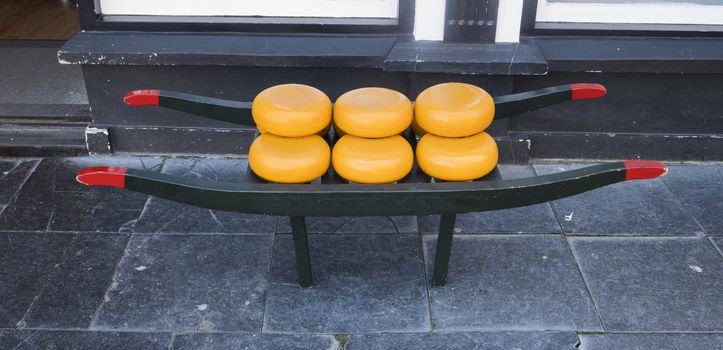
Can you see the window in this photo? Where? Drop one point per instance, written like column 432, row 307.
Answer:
column 700, row 15
column 254, row 9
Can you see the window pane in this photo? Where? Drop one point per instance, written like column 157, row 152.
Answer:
column 646, row 12
column 264, row 8
column 695, row 2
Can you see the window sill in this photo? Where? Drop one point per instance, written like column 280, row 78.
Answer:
column 631, row 54
column 389, row 53
column 463, row 58
column 534, row 56
column 223, row 49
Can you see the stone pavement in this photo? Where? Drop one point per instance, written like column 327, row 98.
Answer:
column 636, row 265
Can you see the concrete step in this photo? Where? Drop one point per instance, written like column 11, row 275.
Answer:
column 42, row 139
column 43, row 104
column 44, row 113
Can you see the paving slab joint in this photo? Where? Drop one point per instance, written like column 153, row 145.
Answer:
column 342, row 339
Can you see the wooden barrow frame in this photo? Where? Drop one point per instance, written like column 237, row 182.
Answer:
column 414, row 195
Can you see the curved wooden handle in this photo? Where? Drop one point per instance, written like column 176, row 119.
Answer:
column 240, row 112
column 370, row 200
column 212, row 108
column 509, row 105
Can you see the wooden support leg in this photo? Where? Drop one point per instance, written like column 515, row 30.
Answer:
column 444, row 248
column 301, row 249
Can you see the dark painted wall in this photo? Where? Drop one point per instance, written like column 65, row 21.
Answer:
column 635, row 103
column 646, row 115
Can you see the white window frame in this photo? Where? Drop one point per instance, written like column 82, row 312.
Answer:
column 557, row 14
column 385, row 9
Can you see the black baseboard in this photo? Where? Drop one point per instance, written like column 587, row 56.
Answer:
column 514, row 148
column 611, row 146
column 42, row 140
column 231, row 142
column 175, row 140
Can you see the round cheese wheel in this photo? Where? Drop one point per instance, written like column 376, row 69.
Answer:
column 417, row 129
column 337, row 130
column 321, row 133
column 373, row 112
column 457, row 159
column 454, row 109
column 292, row 110
column 289, row 160
column 372, row 161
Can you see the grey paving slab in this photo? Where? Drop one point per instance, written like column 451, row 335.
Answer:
column 464, row 341
column 164, row 216
column 531, row 219
column 13, row 174
column 643, row 207
column 706, row 206
column 55, row 280
column 78, row 211
column 362, row 283
column 6, row 165
column 31, row 208
column 254, row 341
column 83, row 340
column 27, row 259
column 73, row 293
column 653, row 284
column 509, row 171
column 681, row 177
column 189, row 283
column 500, row 283
column 651, row 341
column 374, row 224
column 51, row 199
column 718, row 241
column 700, row 190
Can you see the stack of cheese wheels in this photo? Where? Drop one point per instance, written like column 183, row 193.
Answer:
column 371, row 149
column 452, row 118
column 290, row 118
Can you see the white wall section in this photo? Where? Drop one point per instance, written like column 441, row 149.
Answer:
column 429, row 19
column 509, row 20
column 267, row 8
column 638, row 13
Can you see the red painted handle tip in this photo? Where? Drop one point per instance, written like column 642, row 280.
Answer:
column 103, row 176
column 586, row 91
column 644, row 169
column 142, row 98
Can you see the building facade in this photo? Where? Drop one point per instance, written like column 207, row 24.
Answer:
column 662, row 62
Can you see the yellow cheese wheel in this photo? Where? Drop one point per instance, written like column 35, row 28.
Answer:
column 457, row 159
column 417, row 129
column 373, row 112
column 292, row 110
column 321, row 133
column 372, row 161
column 337, row 130
column 289, row 160
column 454, row 109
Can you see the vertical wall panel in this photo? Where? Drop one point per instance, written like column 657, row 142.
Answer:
column 471, row 21
column 509, row 20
